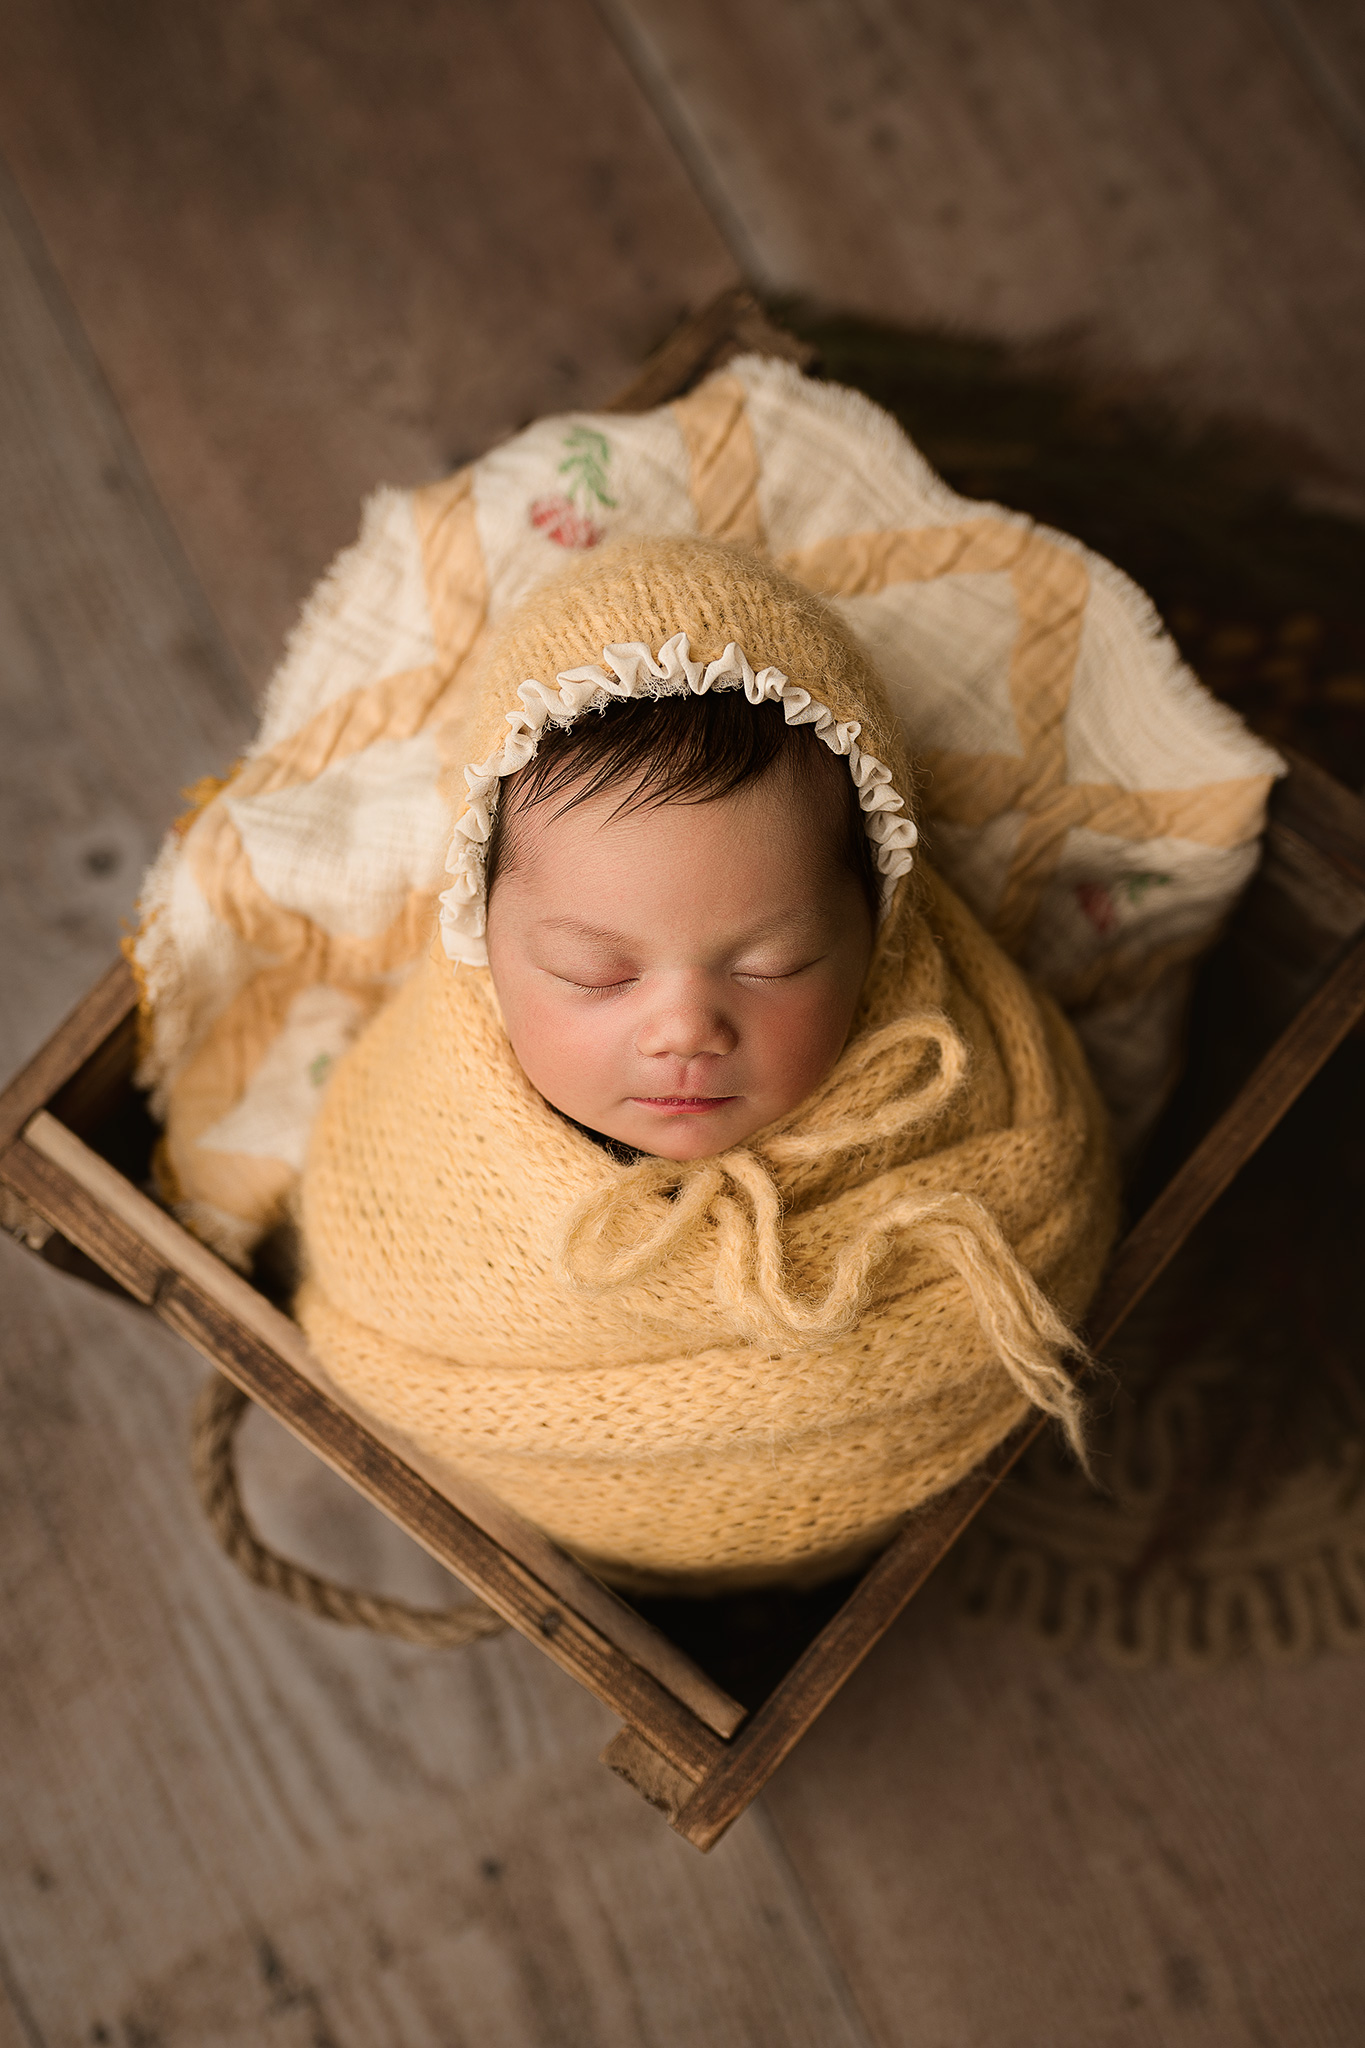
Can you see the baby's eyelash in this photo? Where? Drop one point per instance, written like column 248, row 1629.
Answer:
column 788, row 973
column 607, row 988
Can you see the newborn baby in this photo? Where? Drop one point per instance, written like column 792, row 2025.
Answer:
column 716, row 1191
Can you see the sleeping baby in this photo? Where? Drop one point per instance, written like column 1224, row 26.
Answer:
column 715, row 1191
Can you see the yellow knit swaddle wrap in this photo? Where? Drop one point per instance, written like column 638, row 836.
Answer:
column 743, row 1367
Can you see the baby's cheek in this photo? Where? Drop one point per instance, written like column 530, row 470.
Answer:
column 565, row 1050
column 798, row 1042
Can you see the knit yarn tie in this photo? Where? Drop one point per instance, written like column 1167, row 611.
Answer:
column 735, row 1200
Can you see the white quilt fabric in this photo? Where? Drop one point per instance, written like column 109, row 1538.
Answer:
column 1093, row 804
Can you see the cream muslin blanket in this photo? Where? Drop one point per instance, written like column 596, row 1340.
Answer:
column 1084, row 796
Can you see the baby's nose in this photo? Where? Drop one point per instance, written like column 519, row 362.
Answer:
column 685, row 1026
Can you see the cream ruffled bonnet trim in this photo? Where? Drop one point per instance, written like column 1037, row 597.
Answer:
column 630, row 670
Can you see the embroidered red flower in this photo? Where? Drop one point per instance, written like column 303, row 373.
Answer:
column 565, row 518
column 1102, row 901
column 560, row 520
column 1097, row 901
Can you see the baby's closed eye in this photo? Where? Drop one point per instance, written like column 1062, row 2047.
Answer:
column 775, row 970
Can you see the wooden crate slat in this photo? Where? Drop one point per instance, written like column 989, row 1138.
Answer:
column 82, row 1218
column 95, row 1018
column 731, row 324
column 484, row 1564
column 1243, row 1128
column 887, row 1586
column 648, row 1773
column 180, row 1251
column 738, row 1771
column 267, row 1355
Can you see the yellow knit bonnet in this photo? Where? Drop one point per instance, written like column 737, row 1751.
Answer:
column 665, row 618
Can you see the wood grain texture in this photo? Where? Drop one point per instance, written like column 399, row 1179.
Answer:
column 92, row 1024
column 1282, row 1076
column 648, row 1772
column 1008, row 1847
column 733, row 324
column 88, row 1060
column 321, row 247
column 262, row 1351
column 117, row 686
column 1270, row 1092
column 1152, row 194
column 228, row 1822
column 181, row 1282
column 1306, row 901
column 749, row 1761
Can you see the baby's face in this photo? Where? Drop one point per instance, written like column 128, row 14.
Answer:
column 678, row 978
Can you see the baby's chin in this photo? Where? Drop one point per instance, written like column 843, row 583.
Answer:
column 682, row 1134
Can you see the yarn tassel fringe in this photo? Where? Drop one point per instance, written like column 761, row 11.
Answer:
column 736, row 1199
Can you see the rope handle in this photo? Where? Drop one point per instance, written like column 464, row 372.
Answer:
column 218, row 1414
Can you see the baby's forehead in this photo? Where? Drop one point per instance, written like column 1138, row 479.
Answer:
column 769, row 817
column 743, row 863
column 659, row 750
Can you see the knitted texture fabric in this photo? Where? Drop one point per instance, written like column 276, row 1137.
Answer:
column 740, row 1368
column 730, row 600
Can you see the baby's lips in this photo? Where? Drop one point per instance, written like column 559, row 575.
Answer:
column 683, row 1105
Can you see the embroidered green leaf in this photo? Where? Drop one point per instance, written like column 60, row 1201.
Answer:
column 1136, row 885
column 586, row 465
column 319, row 1069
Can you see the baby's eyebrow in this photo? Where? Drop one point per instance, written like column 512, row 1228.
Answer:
column 576, row 929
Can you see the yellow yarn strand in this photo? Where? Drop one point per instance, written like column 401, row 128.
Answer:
column 743, row 1207
column 897, row 1050
column 600, row 1249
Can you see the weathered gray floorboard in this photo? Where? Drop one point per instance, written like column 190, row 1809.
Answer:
column 229, row 1823
column 116, row 688
column 17, row 2027
column 1325, row 40
column 1009, row 1848
column 319, row 247
column 1154, row 194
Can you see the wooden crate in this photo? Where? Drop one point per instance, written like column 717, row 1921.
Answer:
column 73, row 1141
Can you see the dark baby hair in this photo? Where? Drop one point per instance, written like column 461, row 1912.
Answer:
column 687, row 750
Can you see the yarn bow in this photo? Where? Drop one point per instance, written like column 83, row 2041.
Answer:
column 734, row 1199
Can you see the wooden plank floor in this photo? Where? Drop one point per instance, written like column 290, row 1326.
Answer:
column 1009, row 1850
column 252, row 262
column 316, row 246
column 1168, row 197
